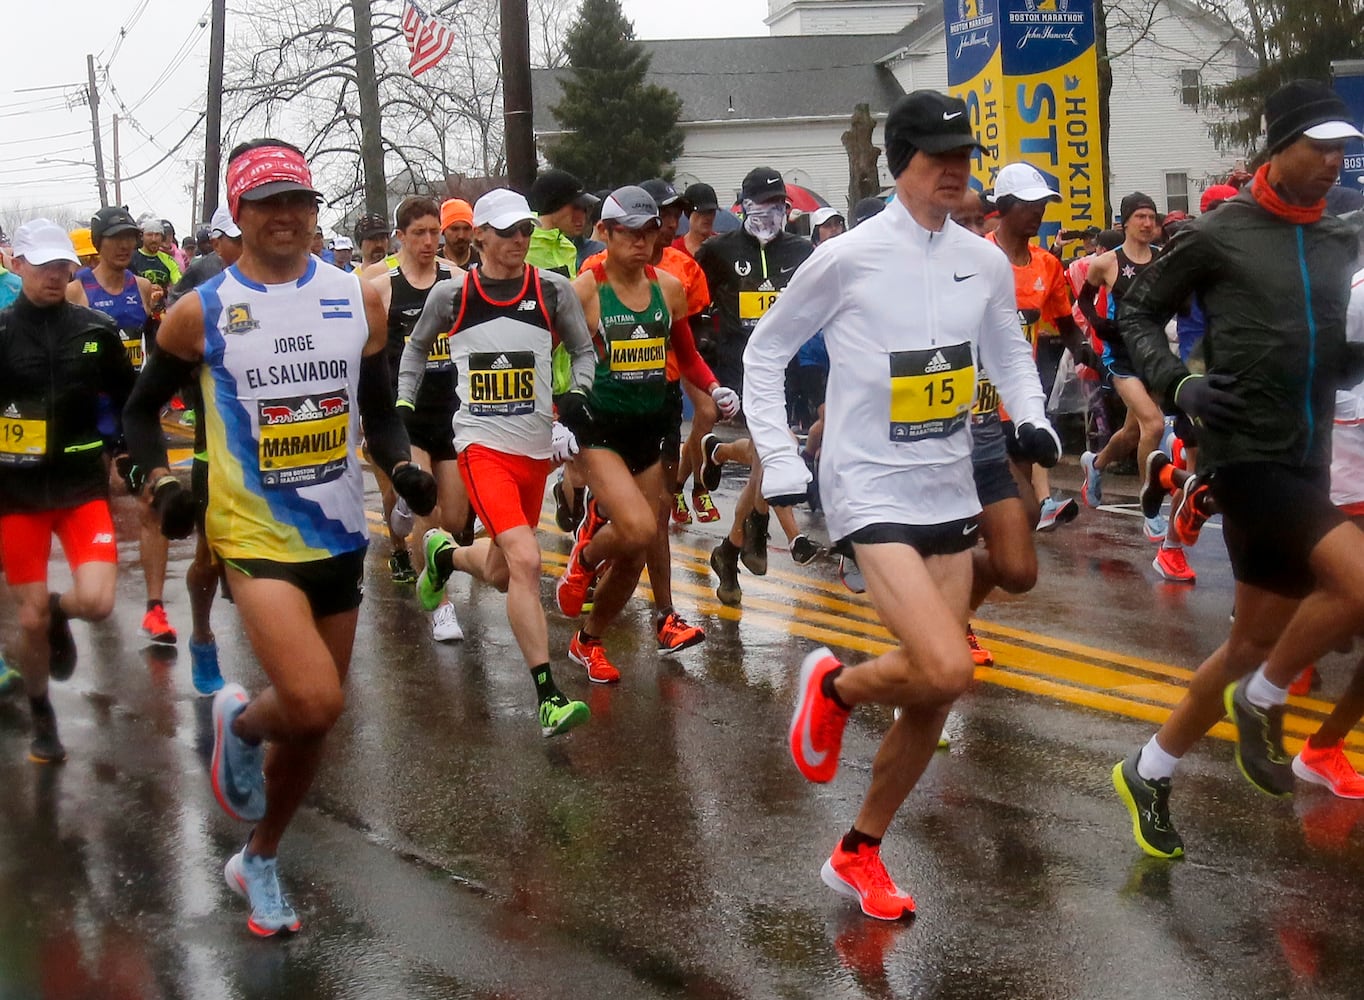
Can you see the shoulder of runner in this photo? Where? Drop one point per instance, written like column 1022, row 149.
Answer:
column 1101, row 270
column 75, row 293
column 673, row 293
column 376, row 316
column 182, row 329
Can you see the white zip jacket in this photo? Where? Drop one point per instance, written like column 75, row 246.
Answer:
column 907, row 314
column 1347, row 437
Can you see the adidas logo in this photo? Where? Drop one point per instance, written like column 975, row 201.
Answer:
column 937, row 363
column 11, row 410
column 767, row 286
column 308, row 407
column 1039, row 286
column 639, row 334
column 501, row 362
column 527, row 305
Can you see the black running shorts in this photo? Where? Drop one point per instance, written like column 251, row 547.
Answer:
column 926, row 539
column 434, row 434
column 990, row 465
column 636, row 437
column 333, row 586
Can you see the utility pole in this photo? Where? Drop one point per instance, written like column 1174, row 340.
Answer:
column 93, row 94
column 517, row 125
column 118, row 175
column 371, row 122
column 194, row 201
column 213, row 121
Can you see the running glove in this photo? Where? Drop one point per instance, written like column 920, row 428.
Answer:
column 563, row 444
column 415, row 485
column 174, row 506
column 727, row 400
column 1207, row 399
column 573, row 410
column 1038, row 445
column 786, row 480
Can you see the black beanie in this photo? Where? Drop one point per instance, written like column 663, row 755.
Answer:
column 1133, row 203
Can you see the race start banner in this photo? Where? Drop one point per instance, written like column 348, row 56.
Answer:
column 1028, row 73
column 1347, row 77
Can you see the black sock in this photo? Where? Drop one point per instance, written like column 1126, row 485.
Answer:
column 54, row 607
column 586, row 636
column 545, row 688
column 855, row 838
column 661, row 615
column 40, row 706
column 827, row 687
column 154, row 604
column 445, row 562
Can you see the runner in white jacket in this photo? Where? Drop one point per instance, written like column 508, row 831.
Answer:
column 909, row 303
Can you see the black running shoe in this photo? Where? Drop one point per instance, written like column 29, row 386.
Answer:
column 400, row 567
column 754, row 554
column 803, row 551
column 563, row 510
column 725, row 561
column 710, row 468
column 1149, row 803
column 1259, row 742
column 1152, row 493
column 46, row 747
column 61, row 644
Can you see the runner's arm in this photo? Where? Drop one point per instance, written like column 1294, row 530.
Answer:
column 683, row 342
column 1186, row 265
column 385, row 435
column 75, row 294
column 1005, row 352
column 437, row 316
column 180, row 349
column 570, row 326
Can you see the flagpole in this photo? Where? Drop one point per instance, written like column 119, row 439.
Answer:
column 518, row 125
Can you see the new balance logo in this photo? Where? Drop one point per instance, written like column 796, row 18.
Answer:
column 501, row 362
column 527, row 305
column 103, row 538
column 937, row 363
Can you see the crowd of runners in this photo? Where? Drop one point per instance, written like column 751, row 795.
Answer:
column 892, row 371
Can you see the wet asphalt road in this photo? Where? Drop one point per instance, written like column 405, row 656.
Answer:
column 669, row 848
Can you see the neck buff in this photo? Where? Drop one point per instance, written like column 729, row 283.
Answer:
column 1263, row 192
column 765, row 221
column 264, row 165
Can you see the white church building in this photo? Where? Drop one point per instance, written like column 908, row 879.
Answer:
column 785, row 100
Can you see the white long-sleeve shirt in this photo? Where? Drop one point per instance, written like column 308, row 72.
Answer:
column 1347, row 436
column 907, row 314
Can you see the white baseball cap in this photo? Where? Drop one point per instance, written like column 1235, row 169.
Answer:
column 823, row 215
column 222, row 225
column 42, row 241
column 1024, row 182
column 342, row 243
column 502, row 208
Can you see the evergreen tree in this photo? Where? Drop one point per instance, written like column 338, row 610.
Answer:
column 619, row 130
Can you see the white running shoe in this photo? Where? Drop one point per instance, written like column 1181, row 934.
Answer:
column 400, row 521
column 445, row 625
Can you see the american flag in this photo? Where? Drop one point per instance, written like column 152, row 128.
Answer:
column 427, row 39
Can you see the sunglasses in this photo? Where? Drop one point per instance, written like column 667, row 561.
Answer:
column 525, row 229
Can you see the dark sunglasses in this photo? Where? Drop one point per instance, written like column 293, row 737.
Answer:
column 520, row 229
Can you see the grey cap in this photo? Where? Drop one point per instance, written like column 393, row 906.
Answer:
column 630, row 206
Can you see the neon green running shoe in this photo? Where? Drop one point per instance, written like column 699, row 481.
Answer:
column 10, row 679
column 430, row 584
column 559, row 715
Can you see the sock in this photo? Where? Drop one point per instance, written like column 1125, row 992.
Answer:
column 586, row 636
column 661, row 615
column 154, row 604
column 1167, row 478
column 1170, row 542
column 445, row 562
column 826, row 686
column 545, row 688
column 54, row 606
column 855, row 838
column 1154, row 763
column 40, row 706
column 1262, row 693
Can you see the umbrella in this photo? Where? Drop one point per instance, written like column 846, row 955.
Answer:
column 802, row 199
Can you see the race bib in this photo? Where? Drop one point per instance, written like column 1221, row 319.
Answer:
column 639, row 357
column 987, row 401
column 303, row 439
column 931, row 392
column 1029, row 320
column 754, row 305
column 23, row 439
column 501, row 384
column 132, row 343
column 438, row 360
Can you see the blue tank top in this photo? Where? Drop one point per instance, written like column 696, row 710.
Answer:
column 124, row 308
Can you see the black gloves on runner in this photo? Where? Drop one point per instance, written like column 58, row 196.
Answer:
column 417, row 486
column 573, row 410
column 1088, row 357
column 1207, row 400
column 1106, row 329
column 174, row 506
column 1038, row 445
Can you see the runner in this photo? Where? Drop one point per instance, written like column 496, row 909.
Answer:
column 1273, row 275
column 343, row 254
column 903, row 496
column 372, row 233
column 149, row 260
column 638, row 313
column 130, row 300
column 457, row 226
column 291, row 355
column 561, row 202
column 504, row 433
column 226, row 242
column 56, row 361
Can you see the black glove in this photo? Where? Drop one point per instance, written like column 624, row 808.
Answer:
column 417, row 486
column 1087, row 356
column 574, row 412
column 1207, row 400
column 123, row 465
column 1038, row 445
column 1107, row 330
column 174, row 506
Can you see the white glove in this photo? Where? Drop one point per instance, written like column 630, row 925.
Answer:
column 727, row 400
column 563, row 445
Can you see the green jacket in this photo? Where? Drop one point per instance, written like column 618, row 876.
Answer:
column 551, row 250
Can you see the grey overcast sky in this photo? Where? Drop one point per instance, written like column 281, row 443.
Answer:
column 156, row 82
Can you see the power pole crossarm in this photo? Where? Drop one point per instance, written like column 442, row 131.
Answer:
column 94, row 125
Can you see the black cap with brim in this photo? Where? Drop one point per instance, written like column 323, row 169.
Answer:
column 278, row 187
column 111, row 221
column 700, row 198
column 926, row 121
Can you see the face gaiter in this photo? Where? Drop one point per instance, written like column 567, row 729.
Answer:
column 764, row 221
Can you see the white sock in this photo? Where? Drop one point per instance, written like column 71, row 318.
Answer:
column 1154, row 763
column 1262, row 693
column 1170, row 542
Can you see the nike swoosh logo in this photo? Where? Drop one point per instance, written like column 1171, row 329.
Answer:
column 969, row 529
column 812, row 757
column 963, row 277
column 947, row 117
column 788, row 270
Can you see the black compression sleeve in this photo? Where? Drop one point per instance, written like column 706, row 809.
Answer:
column 385, row 435
column 161, row 377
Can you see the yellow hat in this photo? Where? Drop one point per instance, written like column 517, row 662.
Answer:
column 80, row 238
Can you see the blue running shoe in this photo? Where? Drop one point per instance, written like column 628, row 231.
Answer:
column 256, row 880
column 203, row 669
column 1092, row 492
column 237, row 767
column 430, row 584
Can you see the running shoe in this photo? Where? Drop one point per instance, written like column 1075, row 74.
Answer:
column 590, row 653
column 256, row 880
column 592, row 521
column 1173, row 566
column 980, row 656
column 559, row 715
column 1149, row 803
column 400, row 567
column 1155, row 528
column 431, row 583
column 400, row 520
column 1192, row 512
column 1307, row 681
column 753, row 554
column 445, row 624
column 46, row 746
column 236, row 769
column 710, row 468
column 1259, row 742
column 11, row 681
column 681, row 512
column 725, row 562
column 803, row 551
column 816, row 733
column 1330, row 767
column 704, row 507
column 1152, row 493
column 1056, row 512
column 568, row 512
column 61, row 644
column 861, row 875
column 1092, row 490
column 570, row 593
column 675, row 634
column 156, row 627
column 851, row 576
column 203, row 667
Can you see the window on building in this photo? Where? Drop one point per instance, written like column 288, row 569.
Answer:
column 1190, row 88
column 1177, row 192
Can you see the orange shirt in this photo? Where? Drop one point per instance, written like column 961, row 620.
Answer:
column 1040, row 292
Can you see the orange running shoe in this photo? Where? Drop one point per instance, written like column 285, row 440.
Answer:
column 570, row 593
column 156, row 627
column 980, row 656
column 1192, row 512
column 861, row 875
column 704, row 506
column 675, row 635
column 590, row 653
column 681, row 513
column 1304, row 683
column 1173, row 566
column 592, row 522
column 1330, row 767
column 816, row 734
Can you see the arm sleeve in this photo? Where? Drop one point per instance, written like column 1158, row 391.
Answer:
column 384, row 432
column 694, row 369
column 437, row 316
column 570, row 326
column 1058, row 295
column 1005, row 352
column 161, row 377
column 1154, row 297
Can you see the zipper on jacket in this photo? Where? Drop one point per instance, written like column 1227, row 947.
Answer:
column 1311, row 344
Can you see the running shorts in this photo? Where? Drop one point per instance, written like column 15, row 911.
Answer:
column 636, row 437
column 505, row 491
column 672, row 431
column 434, row 434
column 990, row 465
column 1353, row 510
column 86, row 533
column 332, row 586
column 926, row 539
column 1273, row 516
